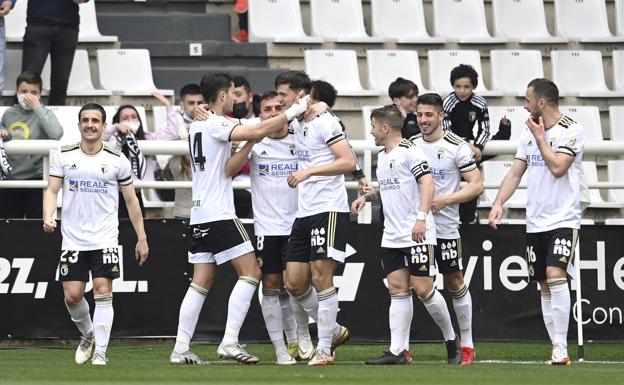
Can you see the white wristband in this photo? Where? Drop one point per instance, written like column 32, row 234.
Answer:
column 421, row 216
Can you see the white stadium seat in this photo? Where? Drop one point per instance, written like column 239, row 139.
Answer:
column 366, row 120
column 88, row 30
column 462, row 21
column 389, row 19
column 619, row 17
column 580, row 73
column 277, row 21
column 589, row 118
column 512, row 70
column 441, row 62
column 12, row 69
column 591, row 176
column 517, row 115
column 15, row 22
column 68, row 118
column 340, row 21
column 616, row 123
column 340, row 68
column 618, row 69
column 493, row 172
column 584, row 21
column 615, row 169
column 522, row 21
column 384, row 66
column 127, row 72
column 80, row 78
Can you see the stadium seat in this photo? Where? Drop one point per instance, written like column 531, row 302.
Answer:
column 88, row 29
column 384, row 66
column 80, row 78
column 585, row 21
column 12, row 69
column 616, row 123
column 277, row 21
column 589, row 118
column 15, row 22
column 567, row 67
column 340, row 68
column 493, row 172
column 512, row 70
column 614, row 221
column 340, row 21
column 462, row 21
column 127, row 72
column 68, row 118
column 517, row 115
column 522, row 21
column 389, row 19
column 591, row 176
column 366, row 122
column 441, row 62
column 619, row 17
column 615, row 170
column 618, row 69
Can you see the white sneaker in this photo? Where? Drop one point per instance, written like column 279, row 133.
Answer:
column 99, row 359
column 283, row 358
column 85, row 347
column 341, row 336
column 186, row 358
column 559, row 355
column 237, row 353
column 306, row 348
column 321, row 358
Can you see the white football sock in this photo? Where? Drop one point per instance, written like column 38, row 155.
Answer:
column 103, row 321
column 272, row 313
column 238, row 306
column 406, row 345
column 189, row 314
column 436, row 306
column 327, row 313
column 81, row 317
column 288, row 318
column 560, row 296
column 399, row 317
column 547, row 315
column 462, row 304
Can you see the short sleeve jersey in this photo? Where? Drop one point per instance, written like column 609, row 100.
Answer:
column 553, row 202
column 448, row 158
column 209, row 146
column 313, row 139
column 274, row 202
column 398, row 172
column 90, row 195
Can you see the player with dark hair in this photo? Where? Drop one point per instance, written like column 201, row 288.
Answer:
column 404, row 93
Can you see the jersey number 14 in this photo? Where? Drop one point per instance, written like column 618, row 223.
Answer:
column 197, row 153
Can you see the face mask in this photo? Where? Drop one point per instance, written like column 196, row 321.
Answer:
column 239, row 110
column 21, row 99
column 187, row 118
column 133, row 124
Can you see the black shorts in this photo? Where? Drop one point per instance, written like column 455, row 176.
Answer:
column 317, row 237
column 218, row 241
column 75, row 265
column 271, row 253
column 549, row 248
column 418, row 259
column 448, row 255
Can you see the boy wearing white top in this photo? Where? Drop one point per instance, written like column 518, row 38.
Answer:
column 406, row 188
column 550, row 150
column 91, row 174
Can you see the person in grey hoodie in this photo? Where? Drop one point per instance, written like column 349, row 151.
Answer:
column 27, row 120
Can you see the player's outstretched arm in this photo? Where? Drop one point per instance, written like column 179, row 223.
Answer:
column 134, row 212
column 470, row 191
column 344, row 162
column 49, row 203
column 238, row 159
column 505, row 191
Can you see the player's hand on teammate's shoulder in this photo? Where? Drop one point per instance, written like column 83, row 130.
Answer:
column 315, row 110
column 201, row 112
column 141, row 251
column 49, row 224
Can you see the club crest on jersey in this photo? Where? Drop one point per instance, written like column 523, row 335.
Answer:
column 305, row 130
column 293, row 149
column 440, row 154
column 263, row 169
column 64, row 269
column 104, row 168
column 472, row 116
column 392, row 163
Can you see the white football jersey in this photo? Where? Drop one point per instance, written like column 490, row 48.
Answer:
column 274, row 202
column 90, row 195
column 209, row 145
column 319, row 194
column 553, row 202
column 448, row 158
column 398, row 172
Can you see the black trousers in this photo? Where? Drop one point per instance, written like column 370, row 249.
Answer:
column 18, row 203
column 59, row 41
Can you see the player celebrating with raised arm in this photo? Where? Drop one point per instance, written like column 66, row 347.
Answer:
column 407, row 246
column 217, row 236
column 90, row 174
column 450, row 158
column 551, row 152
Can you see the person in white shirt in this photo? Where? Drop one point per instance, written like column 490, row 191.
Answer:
column 217, row 235
column 406, row 188
column 450, row 159
column 91, row 173
column 550, row 151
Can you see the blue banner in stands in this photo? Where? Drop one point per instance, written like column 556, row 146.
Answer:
column 147, row 299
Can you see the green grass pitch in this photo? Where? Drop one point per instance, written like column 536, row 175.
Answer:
column 497, row 363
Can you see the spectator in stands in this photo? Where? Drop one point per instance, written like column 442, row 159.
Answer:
column 464, row 108
column 52, row 28
column 404, row 93
column 240, row 8
column 5, row 8
column 27, row 120
column 243, row 107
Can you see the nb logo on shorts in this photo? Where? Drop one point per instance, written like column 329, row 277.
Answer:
column 110, row 256
column 449, row 250
column 419, row 254
column 562, row 247
column 317, row 237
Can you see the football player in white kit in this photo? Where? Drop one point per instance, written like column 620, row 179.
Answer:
column 450, row 160
column 550, row 151
column 91, row 174
column 409, row 236
column 217, row 235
